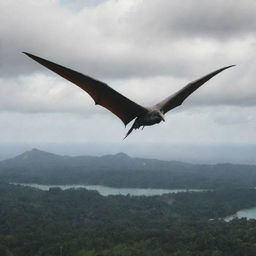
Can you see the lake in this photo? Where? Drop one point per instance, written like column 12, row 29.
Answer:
column 245, row 213
column 106, row 191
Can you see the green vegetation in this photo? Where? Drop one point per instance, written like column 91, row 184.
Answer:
column 83, row 223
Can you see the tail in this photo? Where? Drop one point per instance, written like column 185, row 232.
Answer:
column 129, row 132
column 131, row 129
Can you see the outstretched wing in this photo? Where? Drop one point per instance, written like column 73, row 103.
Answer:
column 177, row 99
column 101, row 93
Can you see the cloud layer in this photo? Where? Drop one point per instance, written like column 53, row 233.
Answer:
column 146, row 50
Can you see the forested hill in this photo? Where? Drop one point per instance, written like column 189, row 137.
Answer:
column 38, row 160
column 120, row 170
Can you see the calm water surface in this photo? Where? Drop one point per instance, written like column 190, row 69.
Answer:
column 105, row 191
column 245, row 213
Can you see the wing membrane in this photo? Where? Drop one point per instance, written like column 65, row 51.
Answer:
column 101, row 93
column 177, row 99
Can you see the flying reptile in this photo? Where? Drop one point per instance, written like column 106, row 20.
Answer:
column 118, row 104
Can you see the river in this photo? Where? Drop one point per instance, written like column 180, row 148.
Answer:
column 106, row 191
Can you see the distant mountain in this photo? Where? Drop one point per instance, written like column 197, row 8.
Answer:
column 120, row 170
column 36, row 160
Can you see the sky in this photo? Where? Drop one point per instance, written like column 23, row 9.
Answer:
column 144, row 49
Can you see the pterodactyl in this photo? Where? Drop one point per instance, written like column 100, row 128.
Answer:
column 118, row 104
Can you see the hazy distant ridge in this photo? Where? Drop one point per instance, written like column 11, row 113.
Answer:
column 120, row 170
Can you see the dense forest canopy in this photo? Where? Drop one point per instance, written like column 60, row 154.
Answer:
column 81, row 222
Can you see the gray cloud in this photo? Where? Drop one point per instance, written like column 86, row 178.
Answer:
column 40, row 93
column 81, row 4
column 208, row 19
column 114, row 39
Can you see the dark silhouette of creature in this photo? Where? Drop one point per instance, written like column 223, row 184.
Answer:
column 118, row 104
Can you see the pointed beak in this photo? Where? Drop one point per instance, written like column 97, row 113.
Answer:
column 162, row 116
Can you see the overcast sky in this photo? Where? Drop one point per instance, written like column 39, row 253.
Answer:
column 145, row 49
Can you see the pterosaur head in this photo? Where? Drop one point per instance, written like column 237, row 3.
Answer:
column 154, row 117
